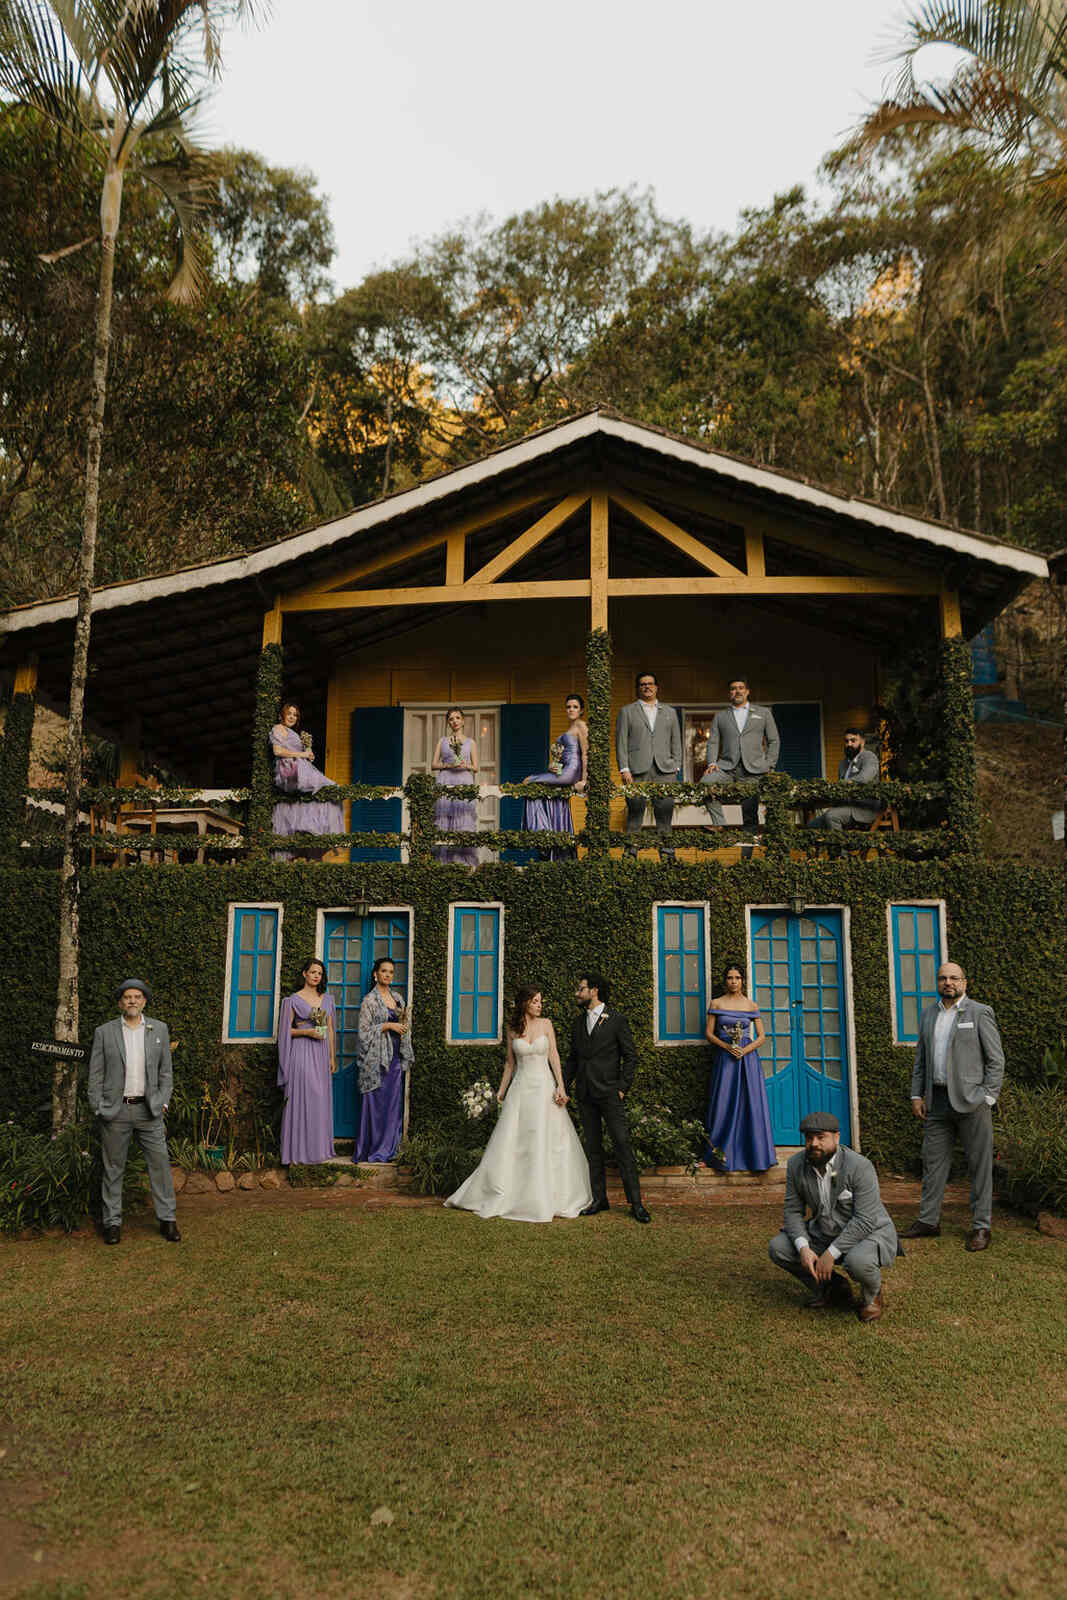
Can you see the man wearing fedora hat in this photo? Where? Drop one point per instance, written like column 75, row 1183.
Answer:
column 848, row 1225
column 130, row 1082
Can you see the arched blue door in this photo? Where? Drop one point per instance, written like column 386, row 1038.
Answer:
column 798, row 977
column 353, row 945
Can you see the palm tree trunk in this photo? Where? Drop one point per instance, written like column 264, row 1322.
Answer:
column 65, row 1078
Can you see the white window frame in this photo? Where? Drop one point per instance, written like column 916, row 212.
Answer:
column 681, row 905
column 894, row 997
column 251, row 905
column 850, row 1010
column 474, row 905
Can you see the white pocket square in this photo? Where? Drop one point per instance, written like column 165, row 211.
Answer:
column 846, row 1194
column 966, row 1024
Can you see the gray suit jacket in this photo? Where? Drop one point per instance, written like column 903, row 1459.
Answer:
column 974, row 1064
column 107, row 1068
column 857, row 1211
column 863, row 768
column 753, row 752
column 657, row 756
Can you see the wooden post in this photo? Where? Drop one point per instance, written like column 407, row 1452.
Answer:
column 598, row 560
column 268, row 695
column 272, row 623
column 15, row 759
column 951, row 621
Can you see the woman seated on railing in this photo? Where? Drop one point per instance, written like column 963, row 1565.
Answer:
column 295, row 773
column 567, row 769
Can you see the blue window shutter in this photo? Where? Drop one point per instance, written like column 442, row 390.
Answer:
column 525, row 735
column 475, row 992
column 800, row 728
column 377, row 757
column 255, row 937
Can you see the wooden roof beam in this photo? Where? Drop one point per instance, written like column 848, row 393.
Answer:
column 704, row 557
column 535, row 535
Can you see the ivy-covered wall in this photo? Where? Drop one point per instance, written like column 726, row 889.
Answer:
column 169, row 923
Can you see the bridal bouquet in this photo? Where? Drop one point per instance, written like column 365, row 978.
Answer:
column 456, row 741
column 555, row 758
column 318, row 1021
column 477, row 1100
column 305, row 741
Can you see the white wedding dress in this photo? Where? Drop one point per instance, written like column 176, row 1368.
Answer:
column 534, row 1167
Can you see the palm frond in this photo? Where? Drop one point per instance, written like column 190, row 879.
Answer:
column 189, row 183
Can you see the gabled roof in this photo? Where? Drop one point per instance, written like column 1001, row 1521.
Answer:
column 273, row 562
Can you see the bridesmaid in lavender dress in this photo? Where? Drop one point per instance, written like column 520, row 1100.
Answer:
column 383, row 1055
column 455, row 762
column 307, row 1055
column 567, row 768
column 295, row 773
column 739, row 1118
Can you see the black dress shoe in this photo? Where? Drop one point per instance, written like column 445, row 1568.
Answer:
column 639, row 1213
column 922, row 1230
column 112, row 1233
column 169, row 1230
column 597, row 1205
column 978, row 1239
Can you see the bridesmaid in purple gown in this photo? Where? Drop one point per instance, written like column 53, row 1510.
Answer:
column 739, row 1118
column 307, row 1056
column 383, row 1055
column 455, row 763
column 567, row 768
column 295, row 773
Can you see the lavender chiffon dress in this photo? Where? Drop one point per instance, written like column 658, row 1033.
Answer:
column 554, row 816
column 739, row 1118
column 304, row 1074
column 458, row 816
column 293, row 776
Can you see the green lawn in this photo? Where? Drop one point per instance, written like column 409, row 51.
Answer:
column 587, row 1409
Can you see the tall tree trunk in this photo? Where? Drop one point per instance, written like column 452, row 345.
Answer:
column 934, row 441
column 65, row 1077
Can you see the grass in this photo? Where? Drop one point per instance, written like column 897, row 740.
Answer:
column 585, row 1409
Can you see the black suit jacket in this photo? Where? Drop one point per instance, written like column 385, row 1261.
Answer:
column 604, row 1061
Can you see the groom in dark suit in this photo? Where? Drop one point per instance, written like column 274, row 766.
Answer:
column 601, row 1063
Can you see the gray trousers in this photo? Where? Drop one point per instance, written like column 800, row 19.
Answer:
column 749, row 805
column 114, row 1146
column 861, row 1262
column 662, row 810
column 975, row 1129
column 840, row 817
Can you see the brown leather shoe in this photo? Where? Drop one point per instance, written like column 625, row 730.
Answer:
column 979, row 1239
column 873, row 1309
column 922, row 1230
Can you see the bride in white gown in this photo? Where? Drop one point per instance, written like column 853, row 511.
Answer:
column 534, row 1167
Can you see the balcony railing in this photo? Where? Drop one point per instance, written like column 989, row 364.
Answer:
column 212, row 824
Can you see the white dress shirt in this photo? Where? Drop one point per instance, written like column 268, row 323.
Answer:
column 651, row 711
column 592, row 1015
column 942, row 1029
column 133, row 1040
column 823, row 1179
column 740, row 716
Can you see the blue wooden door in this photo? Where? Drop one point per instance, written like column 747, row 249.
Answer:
column 799, row 986
column 353, row 944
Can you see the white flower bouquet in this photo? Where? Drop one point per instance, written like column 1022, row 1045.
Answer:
column 478, row 1099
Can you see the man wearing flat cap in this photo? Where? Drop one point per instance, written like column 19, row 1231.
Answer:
column 846, row 1225
column 130, row 1082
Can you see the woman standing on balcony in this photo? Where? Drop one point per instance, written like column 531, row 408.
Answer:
column 566, row 767
column 739, row 1118
column 295, row 773
column 383, row 1055
column 307, row 1056
column 455, row 762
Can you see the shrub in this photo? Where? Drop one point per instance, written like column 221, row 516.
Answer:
column 1032, row 1145
column 446, row 1152
column 660, row 1139
column 53, row 1182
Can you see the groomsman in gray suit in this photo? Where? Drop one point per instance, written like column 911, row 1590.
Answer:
column 848, row 1225
column 857, row 765
column 743, row 743
column 955, row 1083
column 130, row 1083
column 648, row 745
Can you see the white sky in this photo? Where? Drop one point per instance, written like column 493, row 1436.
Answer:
column 414, row 114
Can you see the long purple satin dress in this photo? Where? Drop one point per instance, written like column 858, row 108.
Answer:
column 554, row 816
column 739, row 1118
column 381, row 1111
column 456, row 816
column 304, row 1074
column 301, row 777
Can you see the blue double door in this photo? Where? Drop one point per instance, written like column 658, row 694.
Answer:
column 798, row 974
column 353, row 944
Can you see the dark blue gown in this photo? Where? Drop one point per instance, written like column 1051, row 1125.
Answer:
column 739, row 1118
